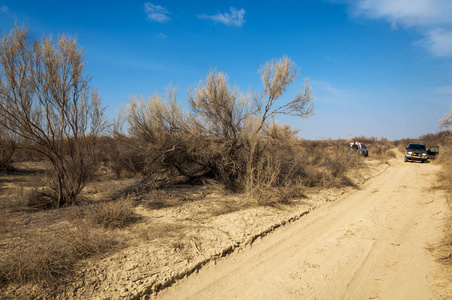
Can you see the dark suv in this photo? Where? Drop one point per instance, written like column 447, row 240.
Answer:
column 416, row 152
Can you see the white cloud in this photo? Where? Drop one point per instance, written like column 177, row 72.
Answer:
column 235, row 18
column 4, row 9
column 406, row 12
column 156, row 12
column 439, row 42
column 431, row 18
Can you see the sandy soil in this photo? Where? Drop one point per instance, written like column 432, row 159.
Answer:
column 371, row 244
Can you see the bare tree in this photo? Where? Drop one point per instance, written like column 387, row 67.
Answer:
column 219, row 109
column 276, row 77
column 47, row 101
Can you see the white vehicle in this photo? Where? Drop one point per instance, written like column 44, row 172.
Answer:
column 360, row 147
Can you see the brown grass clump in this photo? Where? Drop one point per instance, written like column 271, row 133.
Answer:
column 46, row 259
column 109, row 214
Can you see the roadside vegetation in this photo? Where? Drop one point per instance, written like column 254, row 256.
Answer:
column 444, row 140
column 71, row 181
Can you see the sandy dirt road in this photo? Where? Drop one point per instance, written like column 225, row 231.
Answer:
column 371, row 244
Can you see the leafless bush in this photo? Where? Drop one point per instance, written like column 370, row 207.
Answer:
column 46, row 100
column 223, row 137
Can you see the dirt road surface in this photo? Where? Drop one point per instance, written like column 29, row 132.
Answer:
column 372, row 244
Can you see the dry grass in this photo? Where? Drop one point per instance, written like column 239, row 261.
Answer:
column 48, row 258
column 110, row 214
column 4, row 220
column 295, row 166
column 43, row 247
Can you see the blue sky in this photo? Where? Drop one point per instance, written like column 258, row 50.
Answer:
column 378, row 68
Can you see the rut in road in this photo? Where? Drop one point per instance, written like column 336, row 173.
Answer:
column 369, row 245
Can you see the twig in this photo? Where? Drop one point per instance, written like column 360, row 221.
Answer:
column 196, row 247
column 427, row 202
column 145, row 276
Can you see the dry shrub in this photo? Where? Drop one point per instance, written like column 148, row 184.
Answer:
column 44, row 199
column 109, row 214
column 121, row 155
column 47, row 101
column 287, row 166
column 328, row 162
column 436, row 139
column 46, row 259
column 223, row 136
column 378, row 148
column 86, row 241
column 390, row 153
column 7, row 149
column 445, row 159
column 445, row 178
column 291, row 191
column 40, row 200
